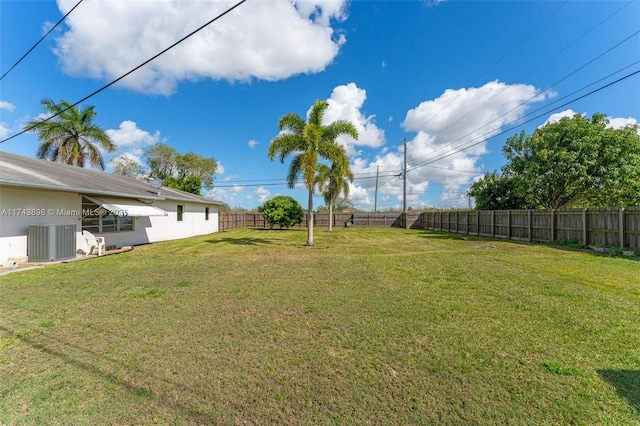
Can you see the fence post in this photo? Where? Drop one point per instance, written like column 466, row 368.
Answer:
column 508, row 224
column 585, row 227
column 493, row 223
column 455, row 218
column 553, row 224
column 621, row 226
column 468, row 226
column 530, row 224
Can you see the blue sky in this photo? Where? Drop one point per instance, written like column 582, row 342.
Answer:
column 442, row 74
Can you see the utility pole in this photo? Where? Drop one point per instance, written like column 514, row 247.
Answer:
column 375, row 203
column 404, row 186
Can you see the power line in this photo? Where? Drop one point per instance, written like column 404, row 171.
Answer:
column 264, row 182
column 532, row 112
column 538, row 93
column 498, row 61
column 528, row 121
column 43, row 37
column 129, row 72
column 254, row 184
column 538, row 66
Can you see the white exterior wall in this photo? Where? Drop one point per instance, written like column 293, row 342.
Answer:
column 63, row 208
column 193, row 221
column 20, row 208
column 163, row 228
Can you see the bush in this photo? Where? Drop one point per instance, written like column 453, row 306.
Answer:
column 283, row 211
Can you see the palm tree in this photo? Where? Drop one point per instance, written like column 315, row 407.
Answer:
column 308, row 141
column 70, row 135
column 332, row 181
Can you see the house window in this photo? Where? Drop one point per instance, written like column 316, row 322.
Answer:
column 180, row 207
column 98, row 220
column 206, row 213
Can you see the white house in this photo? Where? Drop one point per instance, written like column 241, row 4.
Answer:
column 125, row 211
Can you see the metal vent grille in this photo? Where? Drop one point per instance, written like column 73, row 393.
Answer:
column 51, row 242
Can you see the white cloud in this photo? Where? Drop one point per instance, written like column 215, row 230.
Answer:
column 252, row 143
column 267, row 40
column 619, row 122
column 7, row 106
column 4, row 131
column 345, row 103
column 614, row 122
column 445, row 125
column 129, row 135
column 131, row 140
column 262, row 193
column 128, row 156
column 554, row 118
column 360, row 196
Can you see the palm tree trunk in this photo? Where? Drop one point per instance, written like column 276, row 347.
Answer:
column 310, row 219
column 330, row 216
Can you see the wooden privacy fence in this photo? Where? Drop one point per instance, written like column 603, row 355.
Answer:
column 229, row 221
column 608, row 226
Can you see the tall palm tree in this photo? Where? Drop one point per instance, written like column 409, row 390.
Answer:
column 332, row 181
column 70, row 136
column 308, row 141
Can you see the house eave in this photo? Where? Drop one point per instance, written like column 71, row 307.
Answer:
column 39, row 186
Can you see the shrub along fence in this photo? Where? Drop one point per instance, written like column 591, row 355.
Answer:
column 228, row 220
column 608, row 226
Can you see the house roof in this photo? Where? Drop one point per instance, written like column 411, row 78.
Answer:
column 26, row 172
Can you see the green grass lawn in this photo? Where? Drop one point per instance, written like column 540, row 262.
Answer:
column 370, row 326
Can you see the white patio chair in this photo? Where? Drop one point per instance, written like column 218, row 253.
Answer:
column 94, row 242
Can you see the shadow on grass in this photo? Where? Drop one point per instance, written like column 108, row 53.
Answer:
column 442, row 235
column 627, row 384
column 253, row 241
column 248, row 241
column 135, row 391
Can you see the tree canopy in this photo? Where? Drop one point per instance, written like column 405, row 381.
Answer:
column 125, row 166
column 188, row 172
column 308, row 141
column 283, row 211
column 575, row 161
column 498, row 192
column 70, row 136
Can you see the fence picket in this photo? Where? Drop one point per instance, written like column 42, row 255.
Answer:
column 607, row 226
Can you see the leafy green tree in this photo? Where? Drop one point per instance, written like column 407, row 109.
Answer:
column 307, row 141
column 71, row 136
column 495, row 192
column 191, row 184
column 334, row 180
column 125, row 166
column 283, row 211
column 188, row 172
column 577, row 161
column 343, row 204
